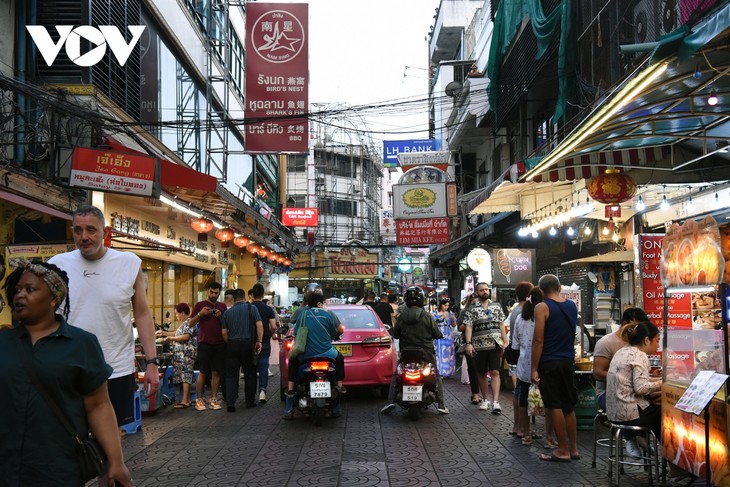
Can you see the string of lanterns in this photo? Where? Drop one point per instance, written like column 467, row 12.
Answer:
column 226, row 235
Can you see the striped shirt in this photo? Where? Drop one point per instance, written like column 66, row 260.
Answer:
column 237, row 320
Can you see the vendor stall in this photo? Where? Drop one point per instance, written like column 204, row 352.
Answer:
column 695, row 339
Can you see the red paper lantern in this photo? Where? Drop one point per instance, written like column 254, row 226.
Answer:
column 264, row 252
column 241, row 241
column 202, row 226
column 612, row 188
column 287, row 262
column 253, row 248
column 225, row 235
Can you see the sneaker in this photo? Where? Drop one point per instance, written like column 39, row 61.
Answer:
column 214, row 405
column 199, row 405
column 496, row 408
column 632, row 449
column 442, row 410
column 271, row 374
column 388, row 408
column 484, row 405
column 262, row 396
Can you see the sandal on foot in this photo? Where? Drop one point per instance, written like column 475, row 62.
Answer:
column 545, row 457
column 527, row 441
column 551, row 445
column 181, row 405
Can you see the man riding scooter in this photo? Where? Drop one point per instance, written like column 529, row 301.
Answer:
column 324, row 327
column 416, row 328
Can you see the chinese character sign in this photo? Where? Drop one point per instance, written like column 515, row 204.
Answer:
column 422, row 231
column 113, row 171
column 277, row 79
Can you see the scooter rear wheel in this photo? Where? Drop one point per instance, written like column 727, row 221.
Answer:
column 414, row 412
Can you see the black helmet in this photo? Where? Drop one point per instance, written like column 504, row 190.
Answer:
column 313, row 289
column 413, row 296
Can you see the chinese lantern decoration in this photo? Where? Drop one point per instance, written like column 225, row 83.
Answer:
column 225, row 235
column 241, row 242
column 202, row 226
column 264, row 252
column 287, row 262
column 612, row 188
column 253, row 248
column 274, row 257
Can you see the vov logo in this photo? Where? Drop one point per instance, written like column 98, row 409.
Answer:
column 101, row 37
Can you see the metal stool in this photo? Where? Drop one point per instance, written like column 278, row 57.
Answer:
column 599, row 420
column 616, row 458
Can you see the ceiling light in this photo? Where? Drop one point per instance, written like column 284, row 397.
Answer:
column 712, row 99
column 615, row 237
column 605, row 230
column 640, row 206
column 698, row 73
column 664, row 205
column 535, row 234
column 690, row 204
column 522, row 232
column 570, row 231
column 587, row 230
column 552, row 231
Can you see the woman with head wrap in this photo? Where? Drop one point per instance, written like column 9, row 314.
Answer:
column 35, row 448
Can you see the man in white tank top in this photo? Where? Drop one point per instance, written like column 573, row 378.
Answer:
column 107, row 290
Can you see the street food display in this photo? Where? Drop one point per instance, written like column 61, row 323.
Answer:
column 693, row 268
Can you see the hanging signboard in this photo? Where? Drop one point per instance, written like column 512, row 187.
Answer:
column 422, row 231
column 114, row 172
column 277, row 77
column 420, row 200
column 300, row 217
column 439, row 159
column 513, row 266
column 391, row 149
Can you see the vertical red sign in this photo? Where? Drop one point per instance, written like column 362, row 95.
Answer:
column 650, row 253
column 277, row 77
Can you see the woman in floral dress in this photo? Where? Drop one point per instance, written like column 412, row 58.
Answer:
column 184, row 352
column 445, row 353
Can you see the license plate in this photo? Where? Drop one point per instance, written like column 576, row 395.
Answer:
column 412, row 393
column 345, row 350
column 320, row 389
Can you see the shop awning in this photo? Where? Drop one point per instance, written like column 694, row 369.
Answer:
column 609, row 257
column 33, row 205
column 664, row 104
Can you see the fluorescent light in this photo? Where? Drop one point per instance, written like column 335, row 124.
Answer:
column 178, row 206
column 628, row 93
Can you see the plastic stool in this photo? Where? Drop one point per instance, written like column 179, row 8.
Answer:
column 136, row 425
column 616, row 455
column 599, row 420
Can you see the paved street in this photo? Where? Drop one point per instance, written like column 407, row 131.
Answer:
column 255, row 447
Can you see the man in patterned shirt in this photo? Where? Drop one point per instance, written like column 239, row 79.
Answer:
column 486, row 337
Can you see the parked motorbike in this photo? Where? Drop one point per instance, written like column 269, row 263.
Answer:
column 416, row 382
column 316, row 389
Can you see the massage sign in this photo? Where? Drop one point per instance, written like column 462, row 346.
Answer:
column 692, row 264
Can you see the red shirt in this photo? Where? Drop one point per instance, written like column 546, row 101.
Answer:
column 209, row 326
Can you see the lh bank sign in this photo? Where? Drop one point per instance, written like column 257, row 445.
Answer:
column 391, row 149
column 70, row 36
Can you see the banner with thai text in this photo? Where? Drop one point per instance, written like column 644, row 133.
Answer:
column 277, row 77
column 113, row 171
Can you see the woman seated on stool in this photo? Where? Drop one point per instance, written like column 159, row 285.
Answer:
column 629, row 382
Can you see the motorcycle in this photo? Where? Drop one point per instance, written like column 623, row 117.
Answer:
column 416, row 382
column 315, row 388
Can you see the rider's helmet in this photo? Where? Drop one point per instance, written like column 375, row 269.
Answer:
column 413, row 296
column 313, row 292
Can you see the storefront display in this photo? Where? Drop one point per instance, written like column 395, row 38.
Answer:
column 695, row 340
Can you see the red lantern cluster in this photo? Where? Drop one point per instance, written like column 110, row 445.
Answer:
column 241, row 242
column 612, row 188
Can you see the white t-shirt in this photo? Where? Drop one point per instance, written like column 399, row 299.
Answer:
column 100, row 294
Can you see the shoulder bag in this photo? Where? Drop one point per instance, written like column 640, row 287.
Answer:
column 300, row 340
column 511, row 356
column 253, row 334
column 92, row 460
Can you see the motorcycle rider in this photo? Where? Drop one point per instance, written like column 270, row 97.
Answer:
column 416, row 328
column 324, row 327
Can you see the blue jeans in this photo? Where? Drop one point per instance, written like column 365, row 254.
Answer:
column 263, row 366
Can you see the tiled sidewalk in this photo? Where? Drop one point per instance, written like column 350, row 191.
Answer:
column 255, row 447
